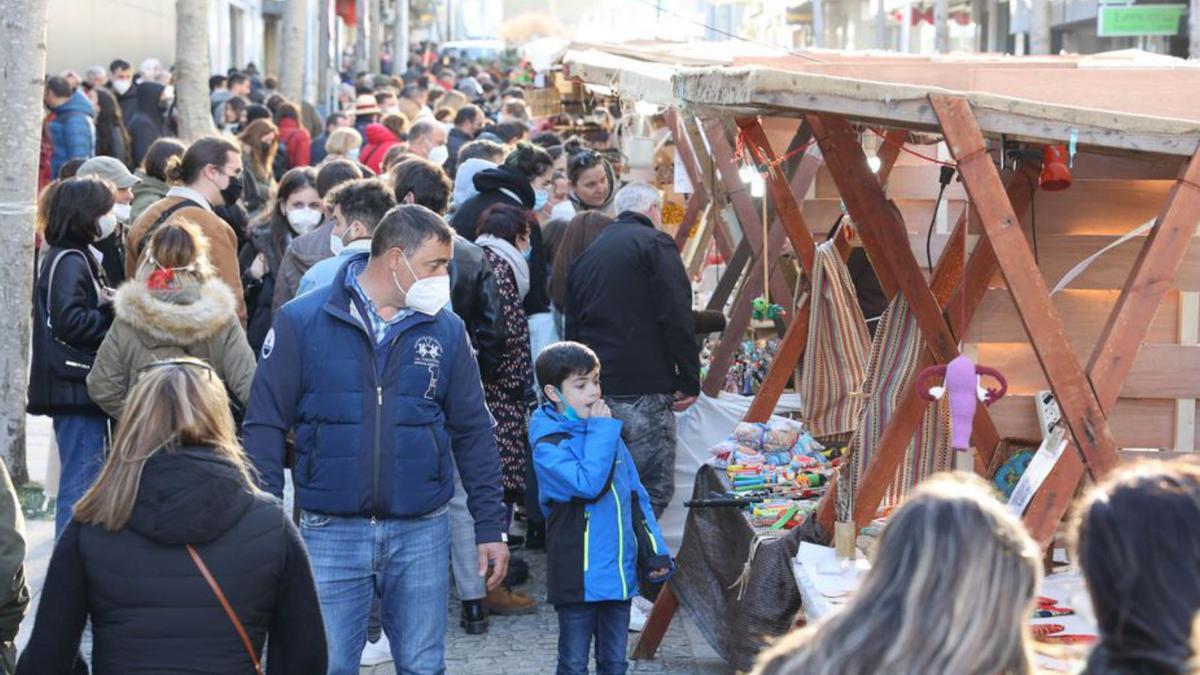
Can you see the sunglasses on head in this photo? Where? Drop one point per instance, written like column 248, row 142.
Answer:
column 586, row 159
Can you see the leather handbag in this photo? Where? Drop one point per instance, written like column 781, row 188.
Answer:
column 66, row 362
column 237, row 624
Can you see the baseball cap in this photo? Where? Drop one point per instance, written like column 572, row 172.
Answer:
column 110, row 169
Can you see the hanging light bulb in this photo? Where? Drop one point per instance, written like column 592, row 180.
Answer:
column 645, row 108
column 758, row 186
column 874, row 163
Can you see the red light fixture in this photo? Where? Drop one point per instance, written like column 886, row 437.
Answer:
column 1056, row 175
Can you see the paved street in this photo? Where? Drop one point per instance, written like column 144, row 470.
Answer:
column 516, row 645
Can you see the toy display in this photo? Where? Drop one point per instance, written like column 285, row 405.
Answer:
column 776, row 471
column 749, row 368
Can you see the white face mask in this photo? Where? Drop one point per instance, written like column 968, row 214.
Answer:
column 122, row 86
column 439, row 155
column 428, row 295
column 304, row 220
column 107, row 224
column 336, row 245
column 122, row 212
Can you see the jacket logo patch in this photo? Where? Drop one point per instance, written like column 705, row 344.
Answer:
column 429, row 354
column 268, row 343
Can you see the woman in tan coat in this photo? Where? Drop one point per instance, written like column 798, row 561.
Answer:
column 175, row 307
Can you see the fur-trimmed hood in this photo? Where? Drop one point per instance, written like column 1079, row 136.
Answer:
column 191, row 315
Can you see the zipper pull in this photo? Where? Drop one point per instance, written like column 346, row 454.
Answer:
column 379, row 395
column 373, row 521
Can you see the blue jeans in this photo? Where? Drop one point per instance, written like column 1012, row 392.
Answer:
column 579, row 622
column 81, row 440
column 404, row 562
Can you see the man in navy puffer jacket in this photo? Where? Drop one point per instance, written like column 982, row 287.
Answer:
column 376, row 377
column 73, row 129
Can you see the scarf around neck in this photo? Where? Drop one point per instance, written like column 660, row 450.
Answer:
column 511, row 255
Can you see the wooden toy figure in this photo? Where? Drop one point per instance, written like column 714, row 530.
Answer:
column 960, row 380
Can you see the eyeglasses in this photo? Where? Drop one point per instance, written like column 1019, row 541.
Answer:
column 165, row 363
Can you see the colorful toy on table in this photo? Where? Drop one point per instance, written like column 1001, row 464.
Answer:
column 961, row 383
column 765, row 311
column 776, row 435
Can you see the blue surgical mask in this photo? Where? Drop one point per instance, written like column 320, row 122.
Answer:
column 352, row 154
column 540, row 197
column 527, row 253
column 567, row 411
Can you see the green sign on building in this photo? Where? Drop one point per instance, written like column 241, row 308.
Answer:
column 1137, row 20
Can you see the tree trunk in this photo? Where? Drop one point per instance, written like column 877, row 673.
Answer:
column 941, row 27
column 24, row 33
column 400, row 39
column 292, row 52
column 1194, row 29
column 324, row 42
column 1039, row 28
column 192, row 70
column 361, row 64
column 375, row 39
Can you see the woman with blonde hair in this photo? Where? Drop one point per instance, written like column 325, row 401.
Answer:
column 174, row 555
column 174, row 307
column 260, row 143
column 951, row 591
column 343, row 143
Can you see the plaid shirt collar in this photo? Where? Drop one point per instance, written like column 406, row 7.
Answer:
column 378, row 325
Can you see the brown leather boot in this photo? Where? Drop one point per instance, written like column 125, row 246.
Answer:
column 504, row 601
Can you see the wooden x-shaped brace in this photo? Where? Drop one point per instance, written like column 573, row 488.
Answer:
column 751, row 223
column 886, row 241
column 1083, row 397
column 791, row 347
column 699, row 198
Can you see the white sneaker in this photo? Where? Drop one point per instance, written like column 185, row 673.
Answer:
column 639, row 611
column 376, row 653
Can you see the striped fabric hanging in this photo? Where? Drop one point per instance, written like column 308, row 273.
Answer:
column 835, row 355
column 890, row 371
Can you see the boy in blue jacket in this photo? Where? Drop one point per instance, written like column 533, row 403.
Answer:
column 601, row 536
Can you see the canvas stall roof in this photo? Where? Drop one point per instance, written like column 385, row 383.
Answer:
column 762, row 90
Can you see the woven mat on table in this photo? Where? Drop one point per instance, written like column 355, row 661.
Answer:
column 712, row 558
column 890, row 371
column 835, row 355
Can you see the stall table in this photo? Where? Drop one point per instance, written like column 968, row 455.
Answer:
column 736, row 618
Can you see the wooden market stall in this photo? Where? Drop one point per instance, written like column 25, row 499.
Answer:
column 1116, row 343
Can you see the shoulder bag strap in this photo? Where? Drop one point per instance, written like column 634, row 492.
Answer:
column 50, row 279
column 216, row 589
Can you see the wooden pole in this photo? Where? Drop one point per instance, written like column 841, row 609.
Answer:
column 699, row 197
column 791, row 347
column 1081, row 411
column 1147, row 284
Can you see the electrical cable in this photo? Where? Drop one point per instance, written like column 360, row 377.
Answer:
column 658, row 6
column 1033, row 188
column 945, row 175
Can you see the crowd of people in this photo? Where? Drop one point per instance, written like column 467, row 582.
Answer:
column 348, row 318
column 304, row 372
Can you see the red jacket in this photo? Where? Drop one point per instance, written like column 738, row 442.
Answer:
column 297, row 142
column 380, row 139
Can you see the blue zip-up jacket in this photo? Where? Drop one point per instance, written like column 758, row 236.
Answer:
column 72, row 131
column 601, row 536
column 375, row 424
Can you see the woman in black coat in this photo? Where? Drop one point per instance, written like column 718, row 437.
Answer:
column 72, row 312
column 175, row 502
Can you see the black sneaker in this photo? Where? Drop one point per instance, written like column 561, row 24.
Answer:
column 474, row 617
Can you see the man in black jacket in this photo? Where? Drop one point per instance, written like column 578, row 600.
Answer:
column 475, row 298
column 630, row 300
